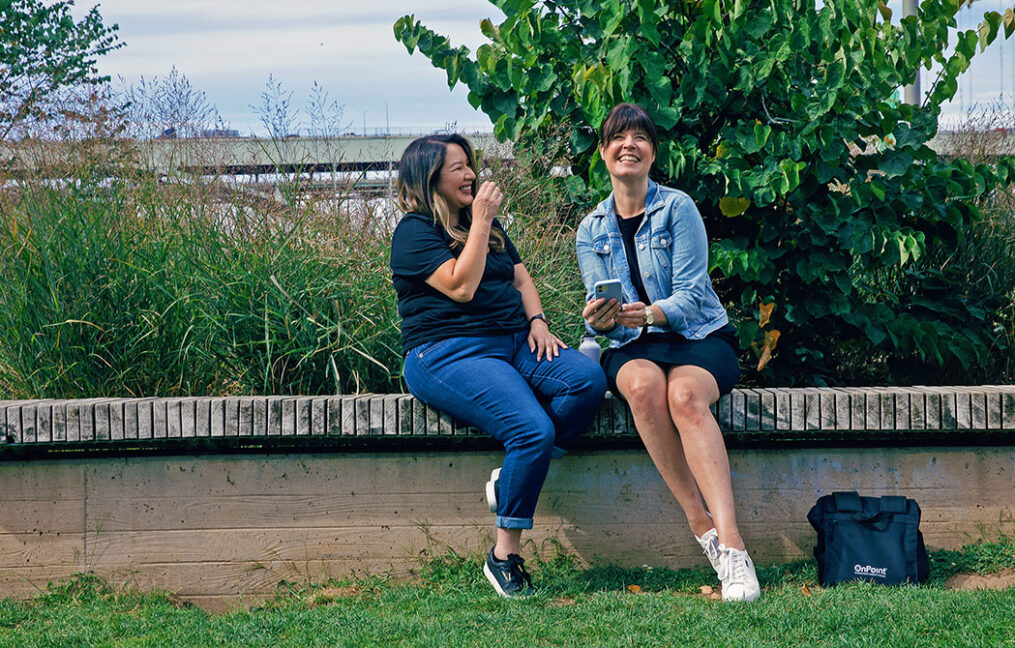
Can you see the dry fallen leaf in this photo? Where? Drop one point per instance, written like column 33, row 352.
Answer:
column 714, row 596
column 806, row 590
column 634, row 589
column 771, row 339
column 705, row 589
column 765, row 313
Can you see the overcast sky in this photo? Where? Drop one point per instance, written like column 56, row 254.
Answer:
column 227, row 48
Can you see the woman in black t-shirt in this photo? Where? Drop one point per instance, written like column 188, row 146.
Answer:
column 476, row 343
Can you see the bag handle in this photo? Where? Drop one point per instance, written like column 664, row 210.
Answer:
column 893, row 504
column 847, row 501
column 888, row 505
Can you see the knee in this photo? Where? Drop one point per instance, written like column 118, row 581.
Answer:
column 584, row 378
column 538, row 435
column 644, row 393
column 594, row 385
column 686, row 403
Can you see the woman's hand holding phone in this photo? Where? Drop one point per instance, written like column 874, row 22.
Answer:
column 632, row 315
column 601, row 314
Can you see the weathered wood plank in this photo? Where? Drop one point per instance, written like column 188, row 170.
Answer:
column 260, row 417
column 117, row 431
column 217, row 427
column 1008, row 422
column 405, row 415
column 768, row 409
column 994, row 412
column 160, row 419
column 738, row 405
column 334, row 416
column 28, row 422
column 231, row 424
column 783, row 411
column 302, row 408
column 145, row 420
column 752, row 413
column 917, row 409
column 44, row 422
column 202, row 418
column 724, row 413
column 245, row 417
column 275, row 427
column 349, row 415
column 174, row 418
column 287, row 410
column 318, row 416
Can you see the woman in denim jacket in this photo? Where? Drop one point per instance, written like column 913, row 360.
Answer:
column 672, row 349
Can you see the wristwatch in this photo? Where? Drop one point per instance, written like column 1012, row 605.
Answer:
column 539, row 316
column 650, row 317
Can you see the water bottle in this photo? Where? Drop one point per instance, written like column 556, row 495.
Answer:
column 589, row 347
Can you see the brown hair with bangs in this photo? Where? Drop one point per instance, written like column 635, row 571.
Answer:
column 625, row 117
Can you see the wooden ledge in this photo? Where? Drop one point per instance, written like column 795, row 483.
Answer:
column 392, row 422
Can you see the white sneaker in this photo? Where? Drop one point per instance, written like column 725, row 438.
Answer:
column 738, row 576
column 710, row 545
column 491, row 489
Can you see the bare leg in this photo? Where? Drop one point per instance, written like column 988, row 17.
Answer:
column 690, row 392
column 509, row 541
column 643, row 385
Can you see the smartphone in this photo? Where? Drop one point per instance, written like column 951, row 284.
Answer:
column 609, row 289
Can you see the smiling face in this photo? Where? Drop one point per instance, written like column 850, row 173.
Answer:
column 457, row 182
column 628, row 154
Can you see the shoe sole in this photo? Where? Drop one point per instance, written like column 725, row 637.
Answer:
column 742, row 600
column 493, row 581
column 491, row 490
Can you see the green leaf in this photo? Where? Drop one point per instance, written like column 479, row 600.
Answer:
column 733, row 206
column 896, row 163
column 876, row 189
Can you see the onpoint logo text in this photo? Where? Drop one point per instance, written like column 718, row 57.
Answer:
column 867, row 570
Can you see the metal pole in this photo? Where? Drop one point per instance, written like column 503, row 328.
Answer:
column 911, row 93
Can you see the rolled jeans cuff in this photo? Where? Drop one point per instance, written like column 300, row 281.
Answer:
column 503, row 522
column 557, row 452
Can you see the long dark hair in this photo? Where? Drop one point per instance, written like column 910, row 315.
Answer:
column 418, row 175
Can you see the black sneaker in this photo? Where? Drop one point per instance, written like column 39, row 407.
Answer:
column 508, row 577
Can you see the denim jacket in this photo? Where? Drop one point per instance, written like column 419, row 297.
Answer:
column 673, row 255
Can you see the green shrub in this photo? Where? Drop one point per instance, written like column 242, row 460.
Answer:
column 833, row 218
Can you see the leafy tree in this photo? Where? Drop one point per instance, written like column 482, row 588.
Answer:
column 780, row 118
column 42, row 51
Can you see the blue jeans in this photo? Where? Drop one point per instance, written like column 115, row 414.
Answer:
column 535, row 408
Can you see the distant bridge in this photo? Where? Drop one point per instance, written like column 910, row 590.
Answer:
column 251, row 156
column 255, row 157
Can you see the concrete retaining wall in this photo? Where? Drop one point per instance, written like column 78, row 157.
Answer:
column 224, row 528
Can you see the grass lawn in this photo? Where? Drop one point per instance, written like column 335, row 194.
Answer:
column 450, row 604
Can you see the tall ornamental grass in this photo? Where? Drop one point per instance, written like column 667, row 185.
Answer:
column 139, row 287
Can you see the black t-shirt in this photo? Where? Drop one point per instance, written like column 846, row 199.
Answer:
column 418, row 248
column 628, row 228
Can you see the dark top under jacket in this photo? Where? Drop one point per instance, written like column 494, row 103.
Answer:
column 418, row 248
column 716, row 353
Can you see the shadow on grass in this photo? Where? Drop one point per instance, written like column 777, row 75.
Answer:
column 559, row 573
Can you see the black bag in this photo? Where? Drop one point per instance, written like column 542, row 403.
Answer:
column 876, row 539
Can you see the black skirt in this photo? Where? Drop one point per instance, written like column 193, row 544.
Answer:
column 716, row 353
